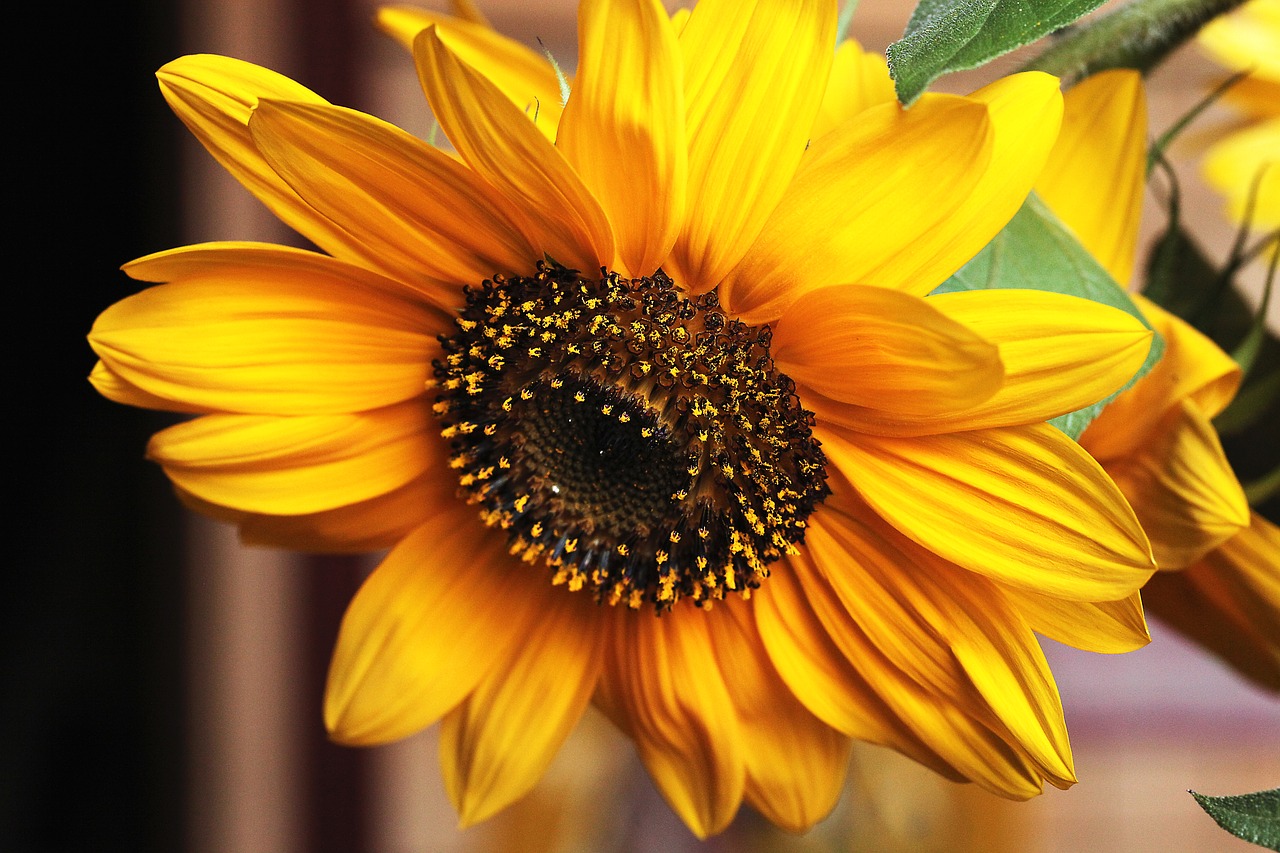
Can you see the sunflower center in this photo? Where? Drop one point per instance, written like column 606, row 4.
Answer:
column 637, row 442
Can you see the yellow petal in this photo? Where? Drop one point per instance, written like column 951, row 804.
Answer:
column 796, row 763
column 214, row 96
column 1107, row 627
column 662, row 686
column 884, row 350
column 754, row 77
column 623, row 128
column 1229, row 602
column 1244, row 166
column 1024, row 505
column 298, row 465
column 266, row 330
column 941, row 721
column 423, row 631
column 1182, row 488
column 360, row 528
column 423, row 216
column 497, row 744
column 524, row 76
column 557, row 213
column 878, row 186
column 117, row 389
column 1192, row 368
column 1060, row 353
column 1097, row 172
column 1247, row 39
column 859, row 79
column 820, row 676
column 950, row 630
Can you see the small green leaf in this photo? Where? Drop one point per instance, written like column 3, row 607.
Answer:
column 1253, row 817
column 1037, row 252
column 956, row 35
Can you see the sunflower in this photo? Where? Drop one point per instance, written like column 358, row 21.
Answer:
column 646, row 401
column 1245, row 164
column 1219, row 582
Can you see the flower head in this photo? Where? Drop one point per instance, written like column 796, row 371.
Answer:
column 646, row 399
column 1220, row 564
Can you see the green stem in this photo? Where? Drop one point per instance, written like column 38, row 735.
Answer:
column 1139, row 35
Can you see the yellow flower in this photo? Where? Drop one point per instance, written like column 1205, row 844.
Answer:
column 736, row 482
column 1220, row 566
column 1247, row 160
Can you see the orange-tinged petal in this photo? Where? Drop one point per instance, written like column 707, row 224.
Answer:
column 524, row 76
column 796, row 763
column 360, row 528
column 1097, row 172
column 1024, row 505
column 878, row 185
column 623, row 128
column 1229, row 602
column 496, row 745
column 884, row 350
column 557, row 213
column 1192, row 368
column 820, row 676
column 423, row 632
column 266, row 330
column 949, row 629
column 298, row 465
column 754, row 77
column 939, row 720
column 662, row 685
column 859, row 79
column 1182, row 488
column 1060, row 353
column 214, row 96
column 117, row 389
column 424, row 217
column 1107, row 627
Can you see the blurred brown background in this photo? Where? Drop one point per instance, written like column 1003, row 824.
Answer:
column 162, row 685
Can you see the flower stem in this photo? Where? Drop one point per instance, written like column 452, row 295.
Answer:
column 1139, row 35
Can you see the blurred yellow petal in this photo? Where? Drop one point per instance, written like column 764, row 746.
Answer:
column 1050, row 519
column 422, row 633
column 1229, row 602
column 1097, row 172
column 1247, row 39
column 557, row 213
column 663, row 686
column 1182, row 488
column 265, row 330
column 1245, row 167
column 117, row 389
column 1107, row 627
column 422, row 215
column 623, row 128
column 879, row 185
column 887, row 351
column 496, row 745
column 297, row 465
column 1060, row 353
column 754, row 76
column 859, row 79
column 523, row 75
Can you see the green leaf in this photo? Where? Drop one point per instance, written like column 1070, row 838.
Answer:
column 1037, row 252
column 956, row 35
column 1253, row 817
